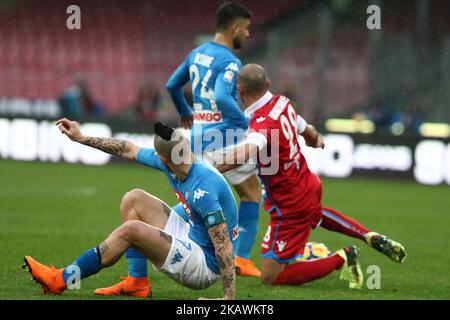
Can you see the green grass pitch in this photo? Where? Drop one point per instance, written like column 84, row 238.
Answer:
column 54, row 212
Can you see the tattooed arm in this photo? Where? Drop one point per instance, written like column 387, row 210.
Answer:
column 224, row 255
column 117, row 147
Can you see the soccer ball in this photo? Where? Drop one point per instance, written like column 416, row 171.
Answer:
column 315, row 250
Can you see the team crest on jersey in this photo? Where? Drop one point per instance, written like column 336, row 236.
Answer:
column 281, row 244
column 199, row 193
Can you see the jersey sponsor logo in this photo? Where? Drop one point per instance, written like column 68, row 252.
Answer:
column 235, row 232
column 177, row 257
column 233, row 67
column 207, row 116
column 281, row 244
column 203, row 60
column 228, row 76
column 260, row 119
column 199, row 193
column 278, row 108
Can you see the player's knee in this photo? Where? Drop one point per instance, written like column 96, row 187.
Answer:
column 129, row 230
column 128, row 201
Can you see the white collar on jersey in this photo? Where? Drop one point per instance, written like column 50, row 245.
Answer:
column 258, row 104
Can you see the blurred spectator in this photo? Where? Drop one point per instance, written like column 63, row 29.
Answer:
column 382, row 115
column 147, row 104
column 410, row 118
column 386, row 118
column 77, row 103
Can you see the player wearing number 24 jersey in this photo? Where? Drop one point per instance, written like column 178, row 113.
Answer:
column 212, row 69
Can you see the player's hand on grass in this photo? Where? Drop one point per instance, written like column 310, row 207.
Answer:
column 186, row 122
column 70, row 129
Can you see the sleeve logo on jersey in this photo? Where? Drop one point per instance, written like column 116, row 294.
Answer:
column 199, row 193
column 228, row 76
column 233, row 67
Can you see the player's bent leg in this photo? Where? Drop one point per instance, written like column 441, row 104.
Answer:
column 250, row 196
column 154, row 243
column 336, row 221
column 148, row 241
column 298, row 273
column 138, row 205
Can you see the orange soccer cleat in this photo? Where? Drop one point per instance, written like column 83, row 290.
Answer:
column 49, row 278
column 129, row 286
column 245, row 267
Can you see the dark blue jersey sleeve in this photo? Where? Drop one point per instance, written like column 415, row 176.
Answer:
column 175, row 86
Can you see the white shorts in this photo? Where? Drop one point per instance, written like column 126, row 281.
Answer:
column 186, row 262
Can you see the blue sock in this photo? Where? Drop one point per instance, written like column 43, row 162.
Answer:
column 137, row 263
column 248, row 228
column 88, row 264
column 180, row 211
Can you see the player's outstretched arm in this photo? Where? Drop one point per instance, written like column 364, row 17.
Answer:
column 224, row 255
column 114, row 146
column 312, row 137
column 234, row 157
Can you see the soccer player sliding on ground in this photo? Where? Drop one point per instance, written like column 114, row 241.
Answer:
column 293, row 192
column 194, row 254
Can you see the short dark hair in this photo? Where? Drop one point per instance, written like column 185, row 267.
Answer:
column 229, row 12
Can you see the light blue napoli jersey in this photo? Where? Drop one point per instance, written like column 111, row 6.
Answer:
column 202, row 192
column 212, row 70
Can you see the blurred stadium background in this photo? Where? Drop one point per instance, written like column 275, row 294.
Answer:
column 382, row 97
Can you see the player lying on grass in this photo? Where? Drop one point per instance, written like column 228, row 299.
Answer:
column 212, row 69
column 293, row 192
column 194, row 254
